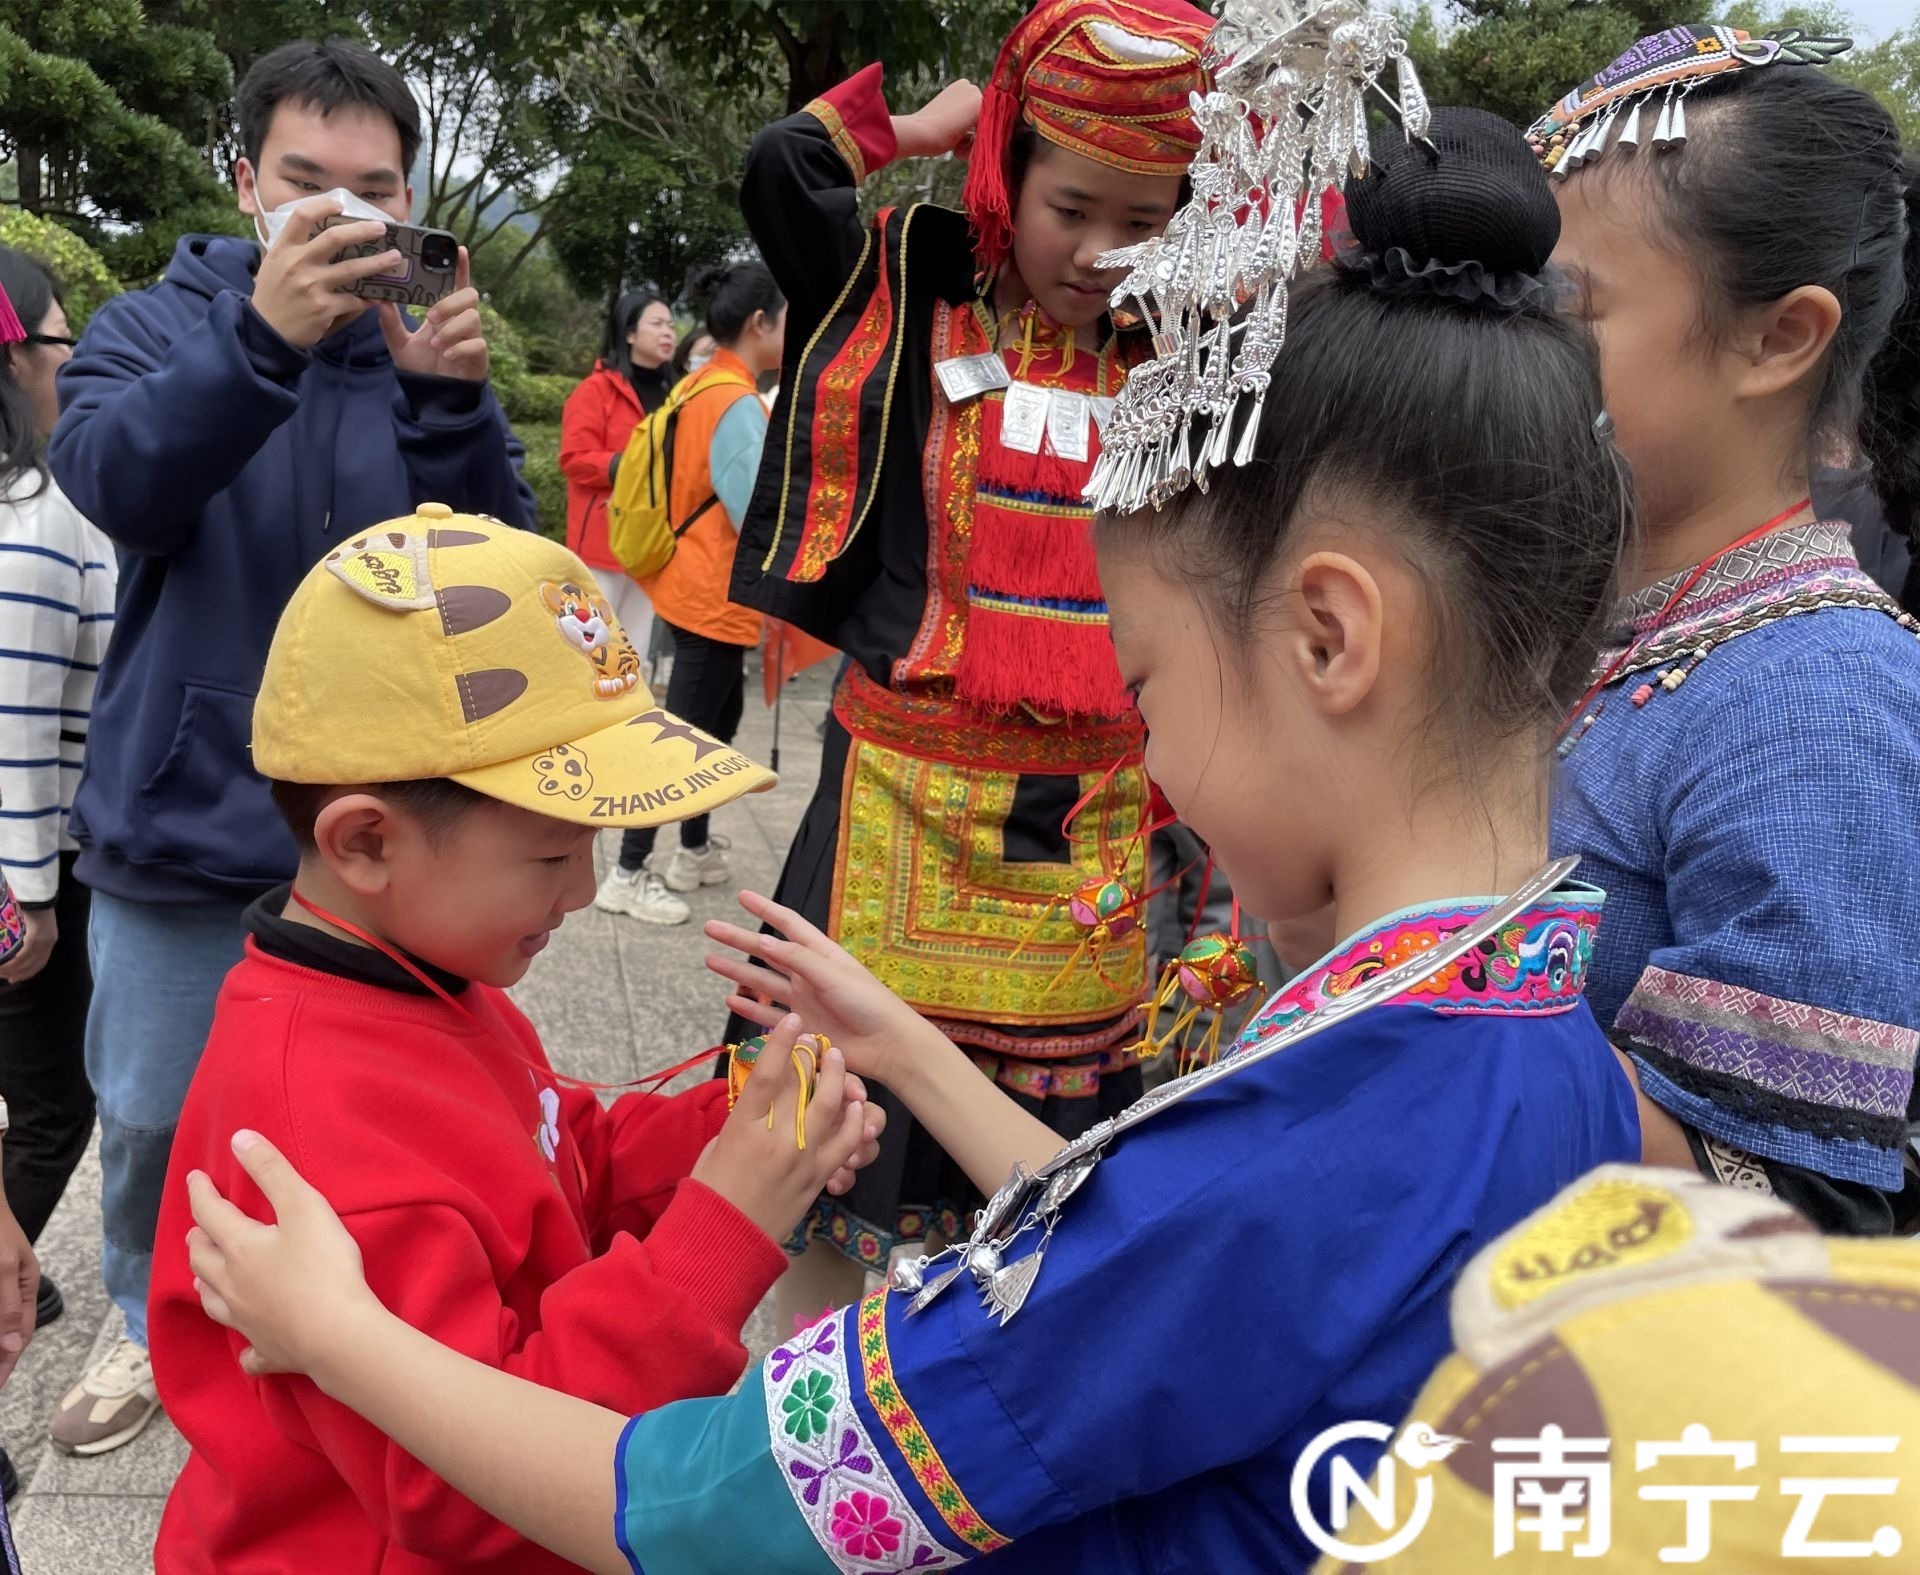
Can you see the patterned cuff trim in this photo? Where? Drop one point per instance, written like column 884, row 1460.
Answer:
column 1843, row 1159
column 842, row 138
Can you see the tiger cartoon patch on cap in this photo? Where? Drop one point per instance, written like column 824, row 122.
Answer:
column 445, row 645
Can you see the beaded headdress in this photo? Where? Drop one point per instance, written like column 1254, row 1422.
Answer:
column 1108, row 79
column 1285, row 120
column 1664, row 66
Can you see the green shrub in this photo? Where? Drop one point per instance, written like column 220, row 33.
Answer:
column 542, row 439
column 85, row 280
column 534, row 397
column 528, row 397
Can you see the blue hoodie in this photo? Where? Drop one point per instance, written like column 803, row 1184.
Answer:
column 224, row 463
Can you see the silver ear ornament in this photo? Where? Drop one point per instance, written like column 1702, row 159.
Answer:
column 1284, row 120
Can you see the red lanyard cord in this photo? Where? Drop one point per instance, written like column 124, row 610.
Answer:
column 433, row 986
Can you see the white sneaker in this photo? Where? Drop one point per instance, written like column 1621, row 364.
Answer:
column 691, row 868
column 114, row 1400
column 639, row 894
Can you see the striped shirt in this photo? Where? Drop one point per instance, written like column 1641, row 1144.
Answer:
column 57, row 576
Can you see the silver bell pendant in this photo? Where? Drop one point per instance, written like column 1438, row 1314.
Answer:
column 909, row 1275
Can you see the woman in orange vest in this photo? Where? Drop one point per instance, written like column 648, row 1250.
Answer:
column 628, row 383
column 716, row 454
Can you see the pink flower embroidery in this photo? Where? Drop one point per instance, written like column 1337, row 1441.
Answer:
column 864, row 1526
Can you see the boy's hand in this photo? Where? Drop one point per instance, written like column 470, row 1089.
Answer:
column 43, row 930
column 811, row 975
column 757, row 1166
column 292, row 1288
column 450, row 342
column 19, row 1289
column 945, row 125
column 301, row 292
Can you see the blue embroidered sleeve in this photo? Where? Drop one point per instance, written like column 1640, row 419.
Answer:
column 1781, row 1018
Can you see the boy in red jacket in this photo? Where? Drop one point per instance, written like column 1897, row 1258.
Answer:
column 471, row 675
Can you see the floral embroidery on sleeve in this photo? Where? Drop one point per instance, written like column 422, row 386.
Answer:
column 858, row 1514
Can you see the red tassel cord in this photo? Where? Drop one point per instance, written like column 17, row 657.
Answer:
column 986, row 195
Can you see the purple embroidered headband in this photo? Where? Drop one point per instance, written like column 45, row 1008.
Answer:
column 1667, row 65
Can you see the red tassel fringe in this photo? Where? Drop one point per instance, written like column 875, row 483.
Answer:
column 1019, row 554
column 985, row 197
column 1061, row 669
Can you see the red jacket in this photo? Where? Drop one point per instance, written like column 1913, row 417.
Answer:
column 507, row 1217
column 598, row 418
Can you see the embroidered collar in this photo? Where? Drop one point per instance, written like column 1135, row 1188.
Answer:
column 1798, row 569
column 1536, row 964
column 1776, row 565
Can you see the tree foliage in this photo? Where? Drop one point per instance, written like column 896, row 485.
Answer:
column 83, row 151
column 819, row 42
column 84, row 279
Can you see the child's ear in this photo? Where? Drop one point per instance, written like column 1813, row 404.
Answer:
column 1336, row 646
column 354, row 836
column 1782, row 343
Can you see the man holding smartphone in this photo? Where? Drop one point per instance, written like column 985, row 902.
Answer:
column 226, row 428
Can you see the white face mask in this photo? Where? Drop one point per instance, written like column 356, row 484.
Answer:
column 268, row 229
column 698, row 359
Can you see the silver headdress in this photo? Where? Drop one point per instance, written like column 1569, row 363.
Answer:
column 1286, row 119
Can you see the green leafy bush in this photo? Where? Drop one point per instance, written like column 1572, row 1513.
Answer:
column 543, row 474
column 85, row 280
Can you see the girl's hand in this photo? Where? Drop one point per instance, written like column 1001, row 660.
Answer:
column 755, row 1164
column 291, row 1289
column 809, row 974
column 944, row 125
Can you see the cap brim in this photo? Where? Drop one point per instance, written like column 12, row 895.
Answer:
column 645, row 771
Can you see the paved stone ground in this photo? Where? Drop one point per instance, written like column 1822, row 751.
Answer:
column 612, row 997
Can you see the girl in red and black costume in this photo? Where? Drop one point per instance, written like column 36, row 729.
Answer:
column 920, row 508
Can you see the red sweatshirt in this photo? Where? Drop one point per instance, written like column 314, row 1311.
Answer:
column 506, row 1216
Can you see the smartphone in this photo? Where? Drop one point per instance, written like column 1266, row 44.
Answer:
column 428, row 259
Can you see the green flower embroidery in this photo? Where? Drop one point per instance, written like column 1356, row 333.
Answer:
column 808, row 1405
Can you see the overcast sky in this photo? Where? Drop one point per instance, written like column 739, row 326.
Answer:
column 1877, row 18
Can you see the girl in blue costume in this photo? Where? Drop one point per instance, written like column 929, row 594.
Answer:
column 1365, row 637
column 1743, row 778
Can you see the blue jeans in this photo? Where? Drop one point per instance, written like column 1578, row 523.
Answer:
column 156, row 971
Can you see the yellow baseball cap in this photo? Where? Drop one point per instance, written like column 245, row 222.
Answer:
column 447, row 645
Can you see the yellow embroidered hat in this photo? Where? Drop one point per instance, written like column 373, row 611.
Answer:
column 445, row 645
column 1657, row 1369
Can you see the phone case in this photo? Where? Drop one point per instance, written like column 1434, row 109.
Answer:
column 412, row 283
column 13, row 923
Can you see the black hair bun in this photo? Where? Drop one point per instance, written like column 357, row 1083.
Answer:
column 1472, row 208
column 704, row 283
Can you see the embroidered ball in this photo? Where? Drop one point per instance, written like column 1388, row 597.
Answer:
column 1217, row 971
column 740, row 1059
column 1106, row 907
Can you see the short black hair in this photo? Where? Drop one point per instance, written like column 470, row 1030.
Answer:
column 329, row 76
column 438, row 803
